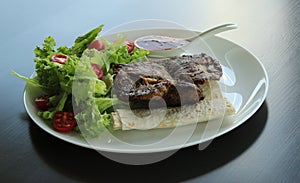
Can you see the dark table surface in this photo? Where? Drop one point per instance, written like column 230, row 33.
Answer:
column 264, row 149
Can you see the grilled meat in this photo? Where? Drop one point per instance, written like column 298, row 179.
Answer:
column 198, row 68
column 177, row 80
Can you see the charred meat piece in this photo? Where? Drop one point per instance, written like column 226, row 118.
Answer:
column 141, row 81
column 183, row 93
column 176, row 80
column 198, row 68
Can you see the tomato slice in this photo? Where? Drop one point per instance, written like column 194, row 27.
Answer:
column 130, row 46
column 42, row 102
column 59, row 58
column 97, row 44
column 64, row 121
column 98, row 70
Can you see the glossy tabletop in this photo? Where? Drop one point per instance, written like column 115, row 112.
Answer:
column 264, row 149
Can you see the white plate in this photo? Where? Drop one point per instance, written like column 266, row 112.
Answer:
column 245, row 81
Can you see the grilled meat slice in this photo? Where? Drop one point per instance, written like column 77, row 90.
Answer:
column 198, row 68
column 183, row 93
column 141, row 81
column 175, row 79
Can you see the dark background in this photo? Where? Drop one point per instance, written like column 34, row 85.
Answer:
column 264, row 149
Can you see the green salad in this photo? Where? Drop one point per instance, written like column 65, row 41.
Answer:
column 78, row 81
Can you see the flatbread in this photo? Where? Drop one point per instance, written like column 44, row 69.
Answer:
column 213, row 106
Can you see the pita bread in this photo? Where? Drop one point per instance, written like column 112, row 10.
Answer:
column 213, row 106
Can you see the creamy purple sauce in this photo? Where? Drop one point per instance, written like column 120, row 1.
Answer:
column 157, row 43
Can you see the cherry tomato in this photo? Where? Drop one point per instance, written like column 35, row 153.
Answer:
column 97, row 44
column 42, row 102
column 98, row 70
column 64, row 121
column 59, row 58
column 130, row 46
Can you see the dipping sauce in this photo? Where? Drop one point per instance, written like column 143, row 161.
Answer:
column 159, row 43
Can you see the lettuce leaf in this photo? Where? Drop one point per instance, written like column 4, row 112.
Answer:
column 47, row 49
column 115, row 53
column 49, row 114
column 82, row 42
column 32, row 81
